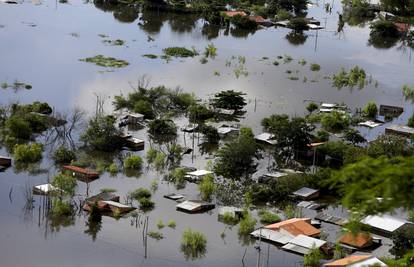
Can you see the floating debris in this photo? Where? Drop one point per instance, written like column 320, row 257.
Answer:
column 151, row 56
column 74, row 34
column 117, row 42
column 16, row 85
column 108, row 62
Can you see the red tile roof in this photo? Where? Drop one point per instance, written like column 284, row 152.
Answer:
column 359, row 240
column 296, row 226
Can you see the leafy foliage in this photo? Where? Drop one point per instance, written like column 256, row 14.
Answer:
column 179, row 52
column 63, row 155
column 229, row 100
column 133, row 162
column 102, row 135
column 193, row 244
column 247, row 224
column 28, row 153
column 371, row 109
column 66, row 183
column 207, row 187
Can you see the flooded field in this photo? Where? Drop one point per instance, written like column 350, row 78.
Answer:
column 42, row 44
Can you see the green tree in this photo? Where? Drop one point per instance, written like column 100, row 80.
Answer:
column 207, row 187
column 313, row 258
column 390, row 146
column 63, row 155
column 354, row 136
column 133, row 162
column 66, row 183
column 229, row 100
column 162, row 127
column 102, row 135
column 28, row 153
column 312, row 106
column 403, row 241
column 371, row 109
column 18, row 127
column 236, row 159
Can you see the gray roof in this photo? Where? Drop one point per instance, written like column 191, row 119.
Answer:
column 385, row 222
column 305, row 192
column 303, row 244
column 401, row 128
column 281, row 237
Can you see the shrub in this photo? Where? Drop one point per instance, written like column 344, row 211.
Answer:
column 210, row 51
column 159, row 161
column 18, row 127
column 61, row 208
column 162, row 127
column 313, row 258
column 371, row 109
column 312, row 106
column 133, row 162
column 315, row 67
column 102, row 134
column 146, row 203
column 171, row 224
column 63, row 155
column 108, row 190
column 155, row 235
column 411, row 121
column 283, row 14
column 144, row 107
column 178, row 175
column 151, row 155
column 199, row 113
column 408, row 92
column 298, row 24
column 140, row 193
column 207, row 187
column 210, row 133
column 154, row 185
column 179, row 52
column 28, row 153
column 268, row 217
column 229, row 218
column 193, row 243
column 160, row 224
column 247, row 224
column 113, row 168
column 66, row 183
column 322, row 136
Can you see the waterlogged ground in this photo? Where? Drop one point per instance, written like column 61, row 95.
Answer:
column 42, row 44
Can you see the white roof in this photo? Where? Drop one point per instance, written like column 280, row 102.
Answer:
column 189, row 205
column 266, row 137
column 328, row 105
column 47, row 188
column 314, row 26
column 116, row 204
column 384, row 222
column 135, row 115
column 305, row 192
column 199, row 173
column 136, row 140
column 401, row 128
column 276, row 174
column 325, row 110
column 307, row 242
column 370, row 124
column 368, row 262
column 226, row 130
column 281, row 237
column 233, row 210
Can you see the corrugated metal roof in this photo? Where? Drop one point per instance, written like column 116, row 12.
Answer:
column 297, row 249
column 199, row 173
column 305, row 192
column 307, row 242
column 358, row 240
column 115, row 204
column 281, row 237
column 384, row 222
column 348, row 260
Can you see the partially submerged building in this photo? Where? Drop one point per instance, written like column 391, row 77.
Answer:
column 194, row 206
column 197, row 176
column 107, row 202
column 82, row 174
column 283, row 232
column 401, row 130
column 385, row 224
column 174, row 196
column 303, row 245
column 306, row 193
column 134, row 143
column 46, row 189
column 356, row 261
column 5, row 161
column 266, row 138
column 358, row 240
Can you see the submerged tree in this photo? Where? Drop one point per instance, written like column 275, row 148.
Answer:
column 229, row 100
column 102, row 134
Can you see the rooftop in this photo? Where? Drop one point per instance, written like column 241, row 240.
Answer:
column 359, row 240
column 296, row 226
column 385, row 222
column 355, row 261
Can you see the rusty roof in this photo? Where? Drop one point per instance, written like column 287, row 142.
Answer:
column 296, row 226
column 359, row 240
column 348, row 260
column 235, row 13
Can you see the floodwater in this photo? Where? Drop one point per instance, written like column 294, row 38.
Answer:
column 41, row 43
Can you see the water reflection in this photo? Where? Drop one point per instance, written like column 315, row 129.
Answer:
column 296, row 38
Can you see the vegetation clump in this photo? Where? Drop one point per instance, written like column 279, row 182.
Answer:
column 133, row 162
column 247, row 224
column 63, row 155
column 151, row 56
column 268, row 217
column 210, row 51
column 65, row 183
column 356, row 76
column 315, row 67
column 371, row 110
column 207, row 187
column 229, row 100
column 408, row 92
column 103, row 61
column 298, row 24
column 155, row 235
column 229, row 218
column 162, row 127
column 179, row 52
column 335, row 121
column 172, row 224
column 140, row 193
column 193, row 244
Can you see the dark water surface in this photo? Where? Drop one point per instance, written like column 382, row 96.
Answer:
column 41, row 44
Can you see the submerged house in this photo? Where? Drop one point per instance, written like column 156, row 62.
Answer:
column 107, row 202
column 46, row 189
column 384, row 224
column 197, row 176
column 401, row 130
column 266, row 138
column 285, row 231
column 303, row 245
column 356, row 261
column 81, row 173
column 134, row 143
column 194, row 206
column 306, row 193
column 358, row 240
column 5, row 161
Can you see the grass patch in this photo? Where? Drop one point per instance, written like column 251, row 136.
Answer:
column 108, row 62
column 151, row 56
column 117, row 42
column 268, row 217
column 171, row 224
column 155, row 235
column 160, row 224
column 315, row 67
column 247, row 224
column 193, row 244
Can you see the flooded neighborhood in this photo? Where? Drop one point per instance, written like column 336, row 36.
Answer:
column 207, row 133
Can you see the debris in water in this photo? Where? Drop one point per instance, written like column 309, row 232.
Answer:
column 103, row 61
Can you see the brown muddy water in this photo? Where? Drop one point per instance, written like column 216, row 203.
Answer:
column 41, row 43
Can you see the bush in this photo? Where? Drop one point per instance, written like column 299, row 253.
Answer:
column 312, row 106
column 146, row 203
column 178, row 175
column 179, row 52
column 18, row 127
column 151, row 155
column 66, row 183
column 229, row 100
column 411, row 121
column 207, row 187
column 28, row 153
column 140, row 193
column 322, row 136
column 193, row 243
column 133, row 162
column 145, row 108
column 315, row 67
column 155, row 235
column 160, row 224
column 243, row 22
column 113, row 168
column 162, row 127
column 229, row 218
column 199, row 113
column 171, row 224
column 384, row 28
column 371, row 110
column 313, row 258
column 283, row 14
column 102, row 134
column 268, row 217
column 108, row 190
column 247, row 224
column 210, row 133
column 63, row 155
column 298, row 24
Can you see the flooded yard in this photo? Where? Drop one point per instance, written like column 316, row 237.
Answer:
column 44, row 44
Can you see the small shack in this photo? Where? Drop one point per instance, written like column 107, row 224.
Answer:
column 393, row 111
column 82, row 173
column 234, row 211
column 5, row 161
column 197, row 176
column 385, row 224
column 116, row 207
column 311, row 205
column 265, row 178
column 134, row 143
column 303, row 244
column 306, row 193
column 356, row 261
column 225, row 130
column 401, row 130
column 359, row 240
column 266, row 138
column 133, row 118
column 194, row 206
column 46, row 189
column 328, row 218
